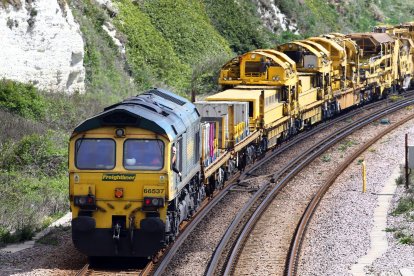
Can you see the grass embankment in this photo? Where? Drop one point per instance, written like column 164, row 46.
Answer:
column 405, row 209
column 108, row 76
column 182, row 44
column 315, row 17
column 175, row 45
column 34, row 130
column 35, row 127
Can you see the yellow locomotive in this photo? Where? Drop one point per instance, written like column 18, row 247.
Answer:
column 142, row 166
column 125, row 197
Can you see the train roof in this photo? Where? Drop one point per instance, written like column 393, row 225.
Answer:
column 377, row 38
column 157, row 110
column 240, row 93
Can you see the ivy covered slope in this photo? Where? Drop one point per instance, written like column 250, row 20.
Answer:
column 34, row 131
column 320, row 16
column 181, row 44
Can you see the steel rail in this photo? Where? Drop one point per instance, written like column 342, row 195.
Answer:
column 166, row 258
column 170, row 251
column 83, row 271
column 147, row 269
column 159, row 268
column 293, row 256
column 303, row 161
column 303, row 135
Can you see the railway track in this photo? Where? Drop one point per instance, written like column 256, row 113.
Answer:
column 87, row 270
column 232, row 243
column 293, row 255
column 158, row 267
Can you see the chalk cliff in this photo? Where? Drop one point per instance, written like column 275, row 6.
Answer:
column 41, row 43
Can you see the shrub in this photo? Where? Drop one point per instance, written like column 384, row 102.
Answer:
column 14, row 127
column 151, row 56
column 388, row 230
column 394, row 98
column 345, row 144
column 403, row 237
column 400, row 180
column 26, row 201
column 407, row 240
column 35, row 154
column 405, row 204
column 108, row 75
column 22, row 99
column 192, row 43
column 326, row 158
column 66, row 111
column 238, row 22
column 205, row 74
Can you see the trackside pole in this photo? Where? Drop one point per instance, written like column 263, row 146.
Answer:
column 406, row 161
column 364, row 177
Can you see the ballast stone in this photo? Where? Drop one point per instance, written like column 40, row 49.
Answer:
column 42, row 44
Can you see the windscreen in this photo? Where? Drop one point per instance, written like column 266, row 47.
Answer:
column 95, row 154
column 140, row 154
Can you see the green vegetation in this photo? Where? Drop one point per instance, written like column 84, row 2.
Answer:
column 169, row 50
column 409, row 239
column 238, row 23
column 27, row 201
column 21, row 99
column 326, row 158
column 34, row 130
column 107, row 74
column 394, row 98
column 179, row 45
column 390, row 230
column 317, row 16
column 404, row 237
column 400, row 180
column 396, row 11
column 191, row 34
column 36, row 154
column 405, row 208
column 152, row 58
column 345, row 144
column 405, row 205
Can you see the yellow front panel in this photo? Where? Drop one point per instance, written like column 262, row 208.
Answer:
column 103, row 183
column 84, row 189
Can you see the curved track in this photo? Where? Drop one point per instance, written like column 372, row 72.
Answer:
column 293, row 256
column 227, row 252
column 158, row 266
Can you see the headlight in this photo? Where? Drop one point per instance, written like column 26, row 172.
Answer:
column 153, row 202
column 120, row 132
column 85, row 202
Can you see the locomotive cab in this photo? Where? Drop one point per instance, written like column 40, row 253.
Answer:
column 129, row 167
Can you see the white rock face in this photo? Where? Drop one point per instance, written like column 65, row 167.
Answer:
column 273, row 18
column 42, row 44
column 110, row 29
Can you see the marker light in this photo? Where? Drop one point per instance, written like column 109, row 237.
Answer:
column 153, row 202
column 120, row 132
